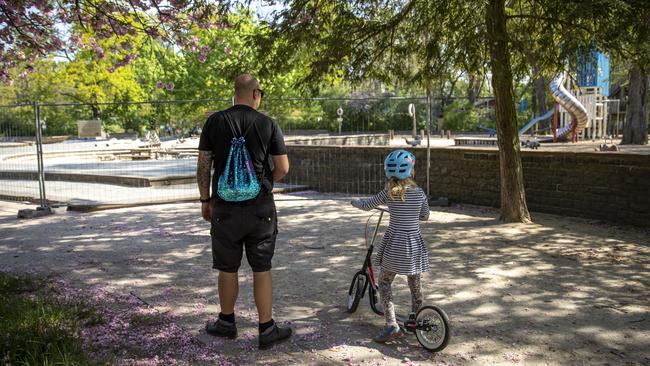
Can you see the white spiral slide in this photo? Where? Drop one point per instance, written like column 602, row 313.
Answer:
column 571, row 104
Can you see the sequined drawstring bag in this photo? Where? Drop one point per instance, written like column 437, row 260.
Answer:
column 238, row 181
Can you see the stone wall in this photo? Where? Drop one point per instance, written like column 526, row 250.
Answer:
column 607, row 186
column 370, row 139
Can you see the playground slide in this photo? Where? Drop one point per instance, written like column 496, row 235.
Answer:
column 569, row 102
column 533, row 121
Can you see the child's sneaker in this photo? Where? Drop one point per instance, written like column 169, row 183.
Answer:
column 389, row 332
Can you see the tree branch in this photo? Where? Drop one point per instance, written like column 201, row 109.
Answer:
column 547, row 19
column 27, row 37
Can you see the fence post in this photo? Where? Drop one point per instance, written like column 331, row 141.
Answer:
column 39, row 155
column 429, row 119
column 43, row 209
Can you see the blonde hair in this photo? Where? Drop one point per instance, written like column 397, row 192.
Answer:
column 398, row 187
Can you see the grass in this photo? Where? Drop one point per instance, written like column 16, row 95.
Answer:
column 36, row 329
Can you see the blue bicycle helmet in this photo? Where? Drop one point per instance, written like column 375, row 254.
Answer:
column 399, row 164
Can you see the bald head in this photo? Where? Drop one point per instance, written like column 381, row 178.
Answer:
column 247, row 91
column 244, row 85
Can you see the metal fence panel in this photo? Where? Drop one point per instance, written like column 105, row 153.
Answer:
column 124, row 153
column 18, row 151
column 128, row 153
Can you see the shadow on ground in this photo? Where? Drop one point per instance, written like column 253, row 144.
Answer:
column 560, row 291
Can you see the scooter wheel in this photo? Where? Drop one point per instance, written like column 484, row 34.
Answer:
column 355, row 293
column 432, row 328
column 374, row 298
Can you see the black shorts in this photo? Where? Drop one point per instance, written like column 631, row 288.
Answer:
column 235, row 227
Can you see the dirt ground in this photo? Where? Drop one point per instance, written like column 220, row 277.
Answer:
column 561, row 291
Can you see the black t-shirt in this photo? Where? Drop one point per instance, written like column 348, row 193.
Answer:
column 216, row 137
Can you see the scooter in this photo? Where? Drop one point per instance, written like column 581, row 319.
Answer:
column 431, row 324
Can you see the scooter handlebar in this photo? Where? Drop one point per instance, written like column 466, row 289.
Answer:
column 357, row 203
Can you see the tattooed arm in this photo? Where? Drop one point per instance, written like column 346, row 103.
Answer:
column 203, row 170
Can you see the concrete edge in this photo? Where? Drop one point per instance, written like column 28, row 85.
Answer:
column 491, row 150
column 90, row 206
column 120, row 180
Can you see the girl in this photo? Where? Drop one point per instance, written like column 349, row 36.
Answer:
column 402, row 250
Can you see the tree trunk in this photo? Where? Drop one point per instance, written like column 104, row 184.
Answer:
column 452, row 88
column 635, row 128
column 513, row 196
column 539, row 94
column 539, row 97
column 443, row 103
column 474, row 84
column 95, row 110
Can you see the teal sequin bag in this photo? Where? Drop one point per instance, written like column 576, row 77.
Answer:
column 238, row 181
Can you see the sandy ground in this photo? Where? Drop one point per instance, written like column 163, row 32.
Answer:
column 562, row 291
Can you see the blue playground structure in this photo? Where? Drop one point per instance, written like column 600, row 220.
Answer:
column 580, row 109
column 592, row 71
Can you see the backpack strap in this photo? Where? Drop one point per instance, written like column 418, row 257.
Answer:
column 229, row 122
column 251, row 125
column 265, row 164
column 231, row 125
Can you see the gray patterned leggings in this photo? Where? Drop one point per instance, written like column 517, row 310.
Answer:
column 385, row 280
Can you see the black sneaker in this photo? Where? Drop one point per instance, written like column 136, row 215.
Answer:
column 221, row 328
column 274, row 335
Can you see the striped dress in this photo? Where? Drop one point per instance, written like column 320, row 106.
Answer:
column 402, row 248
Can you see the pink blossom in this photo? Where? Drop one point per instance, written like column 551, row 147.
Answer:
column 75, row 39
column 4, row 77
column 130, row 57
column 178, row 3
column 36, row 19
column 170, row 86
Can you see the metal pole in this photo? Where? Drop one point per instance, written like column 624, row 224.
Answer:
column 39, row 155
column 618, row 113
column 41, row 167
column 429, row 119
column 413, row 114
column 556, row 114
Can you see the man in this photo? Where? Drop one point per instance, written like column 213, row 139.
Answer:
column 251, row 224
